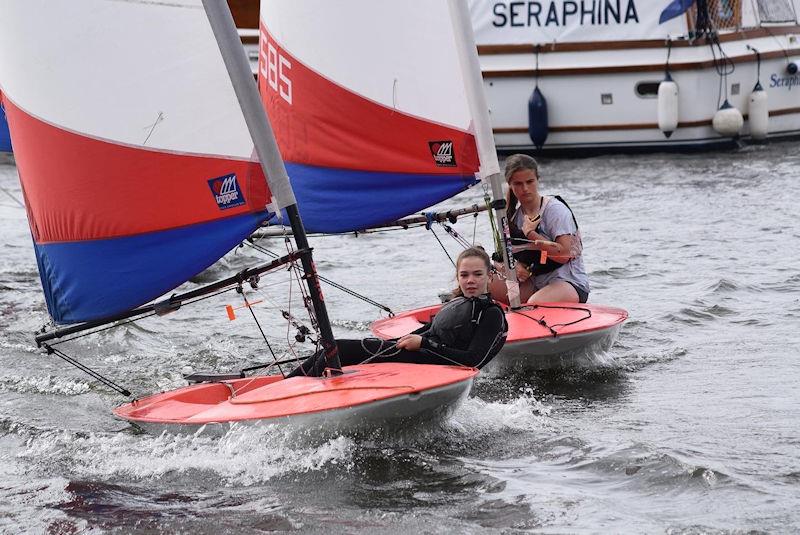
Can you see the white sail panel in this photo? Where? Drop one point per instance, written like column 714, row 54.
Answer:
column 402, row 54
column 149, row 72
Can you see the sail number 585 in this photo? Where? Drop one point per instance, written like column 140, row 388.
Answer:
column 275, row 68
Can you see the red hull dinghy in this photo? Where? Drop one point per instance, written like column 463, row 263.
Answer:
column 127, row 202
column 540, row 336
column 364, row 398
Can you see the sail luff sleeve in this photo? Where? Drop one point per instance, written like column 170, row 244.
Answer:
column 476, row 97
column 473, row 85
column 230, row 44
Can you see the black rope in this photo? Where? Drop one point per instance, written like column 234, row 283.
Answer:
column 270, row 364
column 330, row 282
column 108, row 382
column 456, row 236
column 669, row 53
column 474, row 227
column 442, row 245
column 551, row 328
column 240, row 290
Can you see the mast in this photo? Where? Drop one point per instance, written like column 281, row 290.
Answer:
column 230, row 46
column 489, row 166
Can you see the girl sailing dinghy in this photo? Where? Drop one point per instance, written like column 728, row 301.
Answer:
column 410, row 123
column 540, row 336
column 136, row 181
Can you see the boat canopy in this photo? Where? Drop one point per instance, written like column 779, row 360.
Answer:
column 373, row 124
column 149, row 175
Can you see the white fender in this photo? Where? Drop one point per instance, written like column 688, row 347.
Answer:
column 728, row 121
column 667, row 106
column 758, row 113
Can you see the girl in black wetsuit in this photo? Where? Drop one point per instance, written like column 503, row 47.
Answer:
column 469, row 330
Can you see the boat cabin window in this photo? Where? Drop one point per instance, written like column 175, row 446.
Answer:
column 647, row 89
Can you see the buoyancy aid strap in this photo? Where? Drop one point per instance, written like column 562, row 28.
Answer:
column 560, row 199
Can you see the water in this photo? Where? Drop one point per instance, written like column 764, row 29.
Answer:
column 689, row 426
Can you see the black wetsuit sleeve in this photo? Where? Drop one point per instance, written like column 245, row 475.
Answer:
column 488, row 339
column 422, row 330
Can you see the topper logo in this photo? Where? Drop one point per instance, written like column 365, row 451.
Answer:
column 274, row 67
column 226, row 191
column 442, row 152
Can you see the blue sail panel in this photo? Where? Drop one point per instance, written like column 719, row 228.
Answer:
column 97, row 279
column 343, row 200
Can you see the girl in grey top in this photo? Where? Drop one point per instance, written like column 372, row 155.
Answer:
column 552, row 269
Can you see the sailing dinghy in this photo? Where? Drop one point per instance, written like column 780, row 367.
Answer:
column 540, row 336
column 410, row 128
column 138, row 167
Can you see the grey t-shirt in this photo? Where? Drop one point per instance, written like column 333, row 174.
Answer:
column 557, row 221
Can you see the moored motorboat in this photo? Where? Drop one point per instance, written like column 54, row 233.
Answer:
column 540, row 336
column 601, row 66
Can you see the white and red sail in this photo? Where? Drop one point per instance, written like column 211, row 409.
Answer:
column 134, row 157
column 367, row 102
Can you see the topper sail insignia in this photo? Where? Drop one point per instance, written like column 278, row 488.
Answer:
column 126, row 202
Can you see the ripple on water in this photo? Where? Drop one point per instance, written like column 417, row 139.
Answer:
column 638, row 360
column 723, row 286
column 700, row 314
column 43, row 385
column 651, row 471
column 790, row 284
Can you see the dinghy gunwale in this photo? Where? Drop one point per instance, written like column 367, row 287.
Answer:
column 405, row 322
column 361, row 386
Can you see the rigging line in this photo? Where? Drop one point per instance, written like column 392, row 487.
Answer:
column 455, row 235
column 288, row 341
column 299, row 275
column 108, row 382
column 258, row 324
column 331, row 283
column 543, row 323
column 4, row 190
column 442, row 245
column 474, row 228
column 133, row 320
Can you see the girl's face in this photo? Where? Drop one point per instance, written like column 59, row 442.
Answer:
column 473, row 276
column 525, row 185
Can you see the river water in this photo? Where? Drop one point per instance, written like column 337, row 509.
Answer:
column 690, row 424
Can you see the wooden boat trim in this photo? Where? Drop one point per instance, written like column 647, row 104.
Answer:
column 651, row 67
column 492, row 50
column 631, row 126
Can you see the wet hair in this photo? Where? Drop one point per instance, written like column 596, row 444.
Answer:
column 472, row 252
column 514, row 163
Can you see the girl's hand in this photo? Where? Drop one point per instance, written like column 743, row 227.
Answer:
column 410, row 342
column 529, row 225
column 522, row 272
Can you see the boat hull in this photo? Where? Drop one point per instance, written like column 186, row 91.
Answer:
column 598, row 100
column 364, row 399
column 541, row 336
